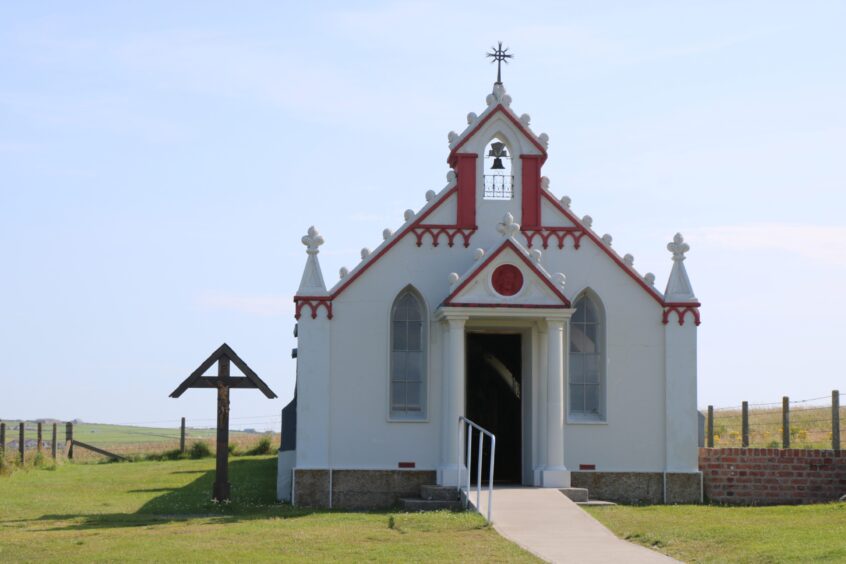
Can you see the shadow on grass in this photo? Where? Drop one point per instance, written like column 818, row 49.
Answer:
column 253, row 483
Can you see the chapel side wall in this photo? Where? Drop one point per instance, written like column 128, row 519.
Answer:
column 314, row 361
column 632, row 437
column 362, row 435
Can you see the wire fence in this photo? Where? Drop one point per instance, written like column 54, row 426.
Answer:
column 810, row 423
column 130, row 439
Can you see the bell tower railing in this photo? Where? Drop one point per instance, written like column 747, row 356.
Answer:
column 498, row 187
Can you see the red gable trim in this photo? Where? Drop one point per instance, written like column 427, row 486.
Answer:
column 396, row 239
column 507, row 245
column 499, row 108
column 602, row 246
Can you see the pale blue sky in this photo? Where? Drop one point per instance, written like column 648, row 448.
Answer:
column 159, row 162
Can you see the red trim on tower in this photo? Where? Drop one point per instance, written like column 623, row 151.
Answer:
column 465, row 170
column 499, row 108
column 314, row 303
column 681, row 309
column 508, row 244
column 531, row 204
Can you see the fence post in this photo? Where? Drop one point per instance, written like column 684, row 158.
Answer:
column 710, row 431
column 785, row 422
column 2, row 439
column 69, row 440
column 835, row 421
column 39, row 436
column 53, row 444
column 21, row 428
column 744, row 415
column 182, row 437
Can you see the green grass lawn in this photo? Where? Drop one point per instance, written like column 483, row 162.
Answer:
column 701, row 533
column 161, row 511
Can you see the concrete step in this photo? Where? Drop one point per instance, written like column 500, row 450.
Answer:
column 595, row 503
column 579, row 495
column 416, row 504
column 440, row 493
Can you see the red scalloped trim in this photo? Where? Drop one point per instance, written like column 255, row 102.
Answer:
column 681, row 310
column 314, row 303
column 436, row 230
column 560, row 234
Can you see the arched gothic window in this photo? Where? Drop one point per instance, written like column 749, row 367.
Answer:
column 408, row 357
column 587, row 359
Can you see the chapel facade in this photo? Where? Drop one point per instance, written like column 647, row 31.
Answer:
column 494, row 302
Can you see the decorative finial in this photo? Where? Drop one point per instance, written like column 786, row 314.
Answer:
column 452, row 278
column 536, row 255
column 559, row 278
column 312, row 241
column 387, row 233
column 629, row 260
column 365, row 252
column 499, row 55
column 478, row 254
column 587, row 221
column 343, row 272
column 607, row 239
column 430, row 195
column 649, row 278
column 408, row 215
column 566, row 201
column 545, row 183
column 508, row 228
column 678, row 247
column 451, row 176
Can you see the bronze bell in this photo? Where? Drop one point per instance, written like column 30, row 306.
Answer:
column 498, row 151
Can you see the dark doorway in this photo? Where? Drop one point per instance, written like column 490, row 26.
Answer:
column 493, row 401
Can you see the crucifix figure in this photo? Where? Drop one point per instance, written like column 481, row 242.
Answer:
column 223, row 382
column 499, row 55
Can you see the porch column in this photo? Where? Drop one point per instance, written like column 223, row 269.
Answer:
column 452, row 400
column 555, row 474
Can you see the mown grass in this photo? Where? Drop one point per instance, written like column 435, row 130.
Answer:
column 161, row 511
column 699, row 533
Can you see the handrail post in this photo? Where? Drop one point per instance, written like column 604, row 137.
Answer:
column 469, row 461
column 490, row 476
column 479, row 470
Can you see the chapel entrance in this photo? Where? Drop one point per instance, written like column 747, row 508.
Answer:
column 494, row 391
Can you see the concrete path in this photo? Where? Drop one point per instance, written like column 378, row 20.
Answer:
column 546, row 523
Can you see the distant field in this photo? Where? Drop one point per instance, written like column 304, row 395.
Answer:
column 810, row 427
column 132, row 440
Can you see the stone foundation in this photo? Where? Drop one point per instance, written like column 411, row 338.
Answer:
column 640, row 487
column 358, row 489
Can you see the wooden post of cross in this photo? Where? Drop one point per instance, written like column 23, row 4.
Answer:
column 21, row 428
column 53, row 443
column 39, row 437
column 224, row 357
column 182, row 437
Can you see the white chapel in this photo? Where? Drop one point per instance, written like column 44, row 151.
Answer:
column 497, row 303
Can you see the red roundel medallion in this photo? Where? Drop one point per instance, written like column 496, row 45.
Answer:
column 507, row 279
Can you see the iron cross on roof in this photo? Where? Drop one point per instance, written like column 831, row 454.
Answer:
column 499, row 55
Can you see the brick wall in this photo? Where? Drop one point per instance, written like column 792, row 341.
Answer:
column 759, row 476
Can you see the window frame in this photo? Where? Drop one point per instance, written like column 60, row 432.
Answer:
column 581, row 417
column 397, row 417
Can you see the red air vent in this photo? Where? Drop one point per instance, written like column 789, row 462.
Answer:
column 406, row 465
column 587, row 466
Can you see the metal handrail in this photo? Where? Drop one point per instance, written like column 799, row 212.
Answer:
column 464, row 423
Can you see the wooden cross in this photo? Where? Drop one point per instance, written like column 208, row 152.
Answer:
column 224, row 381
